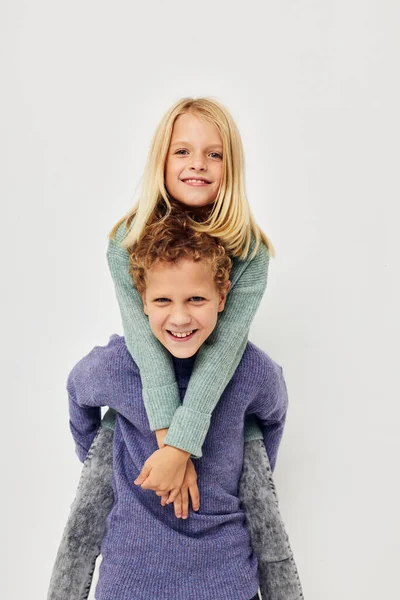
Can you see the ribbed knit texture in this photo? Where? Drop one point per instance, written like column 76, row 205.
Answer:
column 147, row 552
column 218, row 357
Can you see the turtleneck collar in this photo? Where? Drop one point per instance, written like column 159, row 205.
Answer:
column 183, row 368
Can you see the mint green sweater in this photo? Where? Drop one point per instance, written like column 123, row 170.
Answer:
column 215, row 364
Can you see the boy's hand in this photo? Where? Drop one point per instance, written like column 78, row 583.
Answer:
column 189, row 486
column 164, row 471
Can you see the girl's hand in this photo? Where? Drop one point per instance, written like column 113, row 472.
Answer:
column 164, row 471
column 189, row 486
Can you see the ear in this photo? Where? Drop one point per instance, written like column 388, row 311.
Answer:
column 222, row 296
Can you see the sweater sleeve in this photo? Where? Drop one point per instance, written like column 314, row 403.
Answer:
column 220, row 355
column 270, row 407
column 84, row 407
column 160, row 390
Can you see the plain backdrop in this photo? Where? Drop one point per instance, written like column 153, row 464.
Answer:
column 314, row 89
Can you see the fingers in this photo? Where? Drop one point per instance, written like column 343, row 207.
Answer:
column 184, row 503
column 194, row 496
column 143, row 475
column 181, row 503
column 148, row 484
column 145, row 484
column 173, row 495
column 180, row 495
column 178, row 505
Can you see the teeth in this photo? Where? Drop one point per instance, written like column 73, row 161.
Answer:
column 181, row 335
column 195, row 180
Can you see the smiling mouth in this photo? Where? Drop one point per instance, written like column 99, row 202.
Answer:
column 195, row 181
column 181, row 337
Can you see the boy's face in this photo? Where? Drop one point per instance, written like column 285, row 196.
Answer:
column 195, row 152
column 182, row 298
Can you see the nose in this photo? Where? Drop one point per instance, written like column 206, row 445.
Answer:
column 198, row 162
column 179, row 317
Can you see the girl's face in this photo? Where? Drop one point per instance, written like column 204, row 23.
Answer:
column 193, row 169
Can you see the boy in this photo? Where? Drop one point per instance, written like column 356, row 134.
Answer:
column 147, row 553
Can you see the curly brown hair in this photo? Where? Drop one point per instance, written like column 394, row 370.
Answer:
column 171, row 239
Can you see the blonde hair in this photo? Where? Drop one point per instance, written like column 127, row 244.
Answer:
column 229, row 218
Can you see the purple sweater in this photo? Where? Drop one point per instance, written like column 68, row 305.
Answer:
column 147, row 552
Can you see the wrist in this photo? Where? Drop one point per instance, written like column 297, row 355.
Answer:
column 178, row 451
column 160, row 435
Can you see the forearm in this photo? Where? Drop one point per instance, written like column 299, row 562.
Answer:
column 192, row 419
column 160, row 390
column 220, row 355
column 215, row 365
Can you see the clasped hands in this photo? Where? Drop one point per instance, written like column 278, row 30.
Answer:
column 171, row 474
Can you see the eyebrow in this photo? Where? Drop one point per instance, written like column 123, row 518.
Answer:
column 183, row 143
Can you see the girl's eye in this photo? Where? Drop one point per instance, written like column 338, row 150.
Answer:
column 216, row 154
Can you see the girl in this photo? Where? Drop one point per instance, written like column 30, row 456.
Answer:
column 196, row 160
column 212, row 152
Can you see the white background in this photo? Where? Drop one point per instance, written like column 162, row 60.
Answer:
column 314, row 89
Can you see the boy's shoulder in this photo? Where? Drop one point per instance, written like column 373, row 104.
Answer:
column 115, row 351
column 113, row 357
column 257, row 365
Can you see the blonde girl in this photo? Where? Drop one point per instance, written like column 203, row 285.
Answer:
column 195, row 161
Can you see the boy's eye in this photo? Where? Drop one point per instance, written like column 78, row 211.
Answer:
column 162, row 300
column 197, row 298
